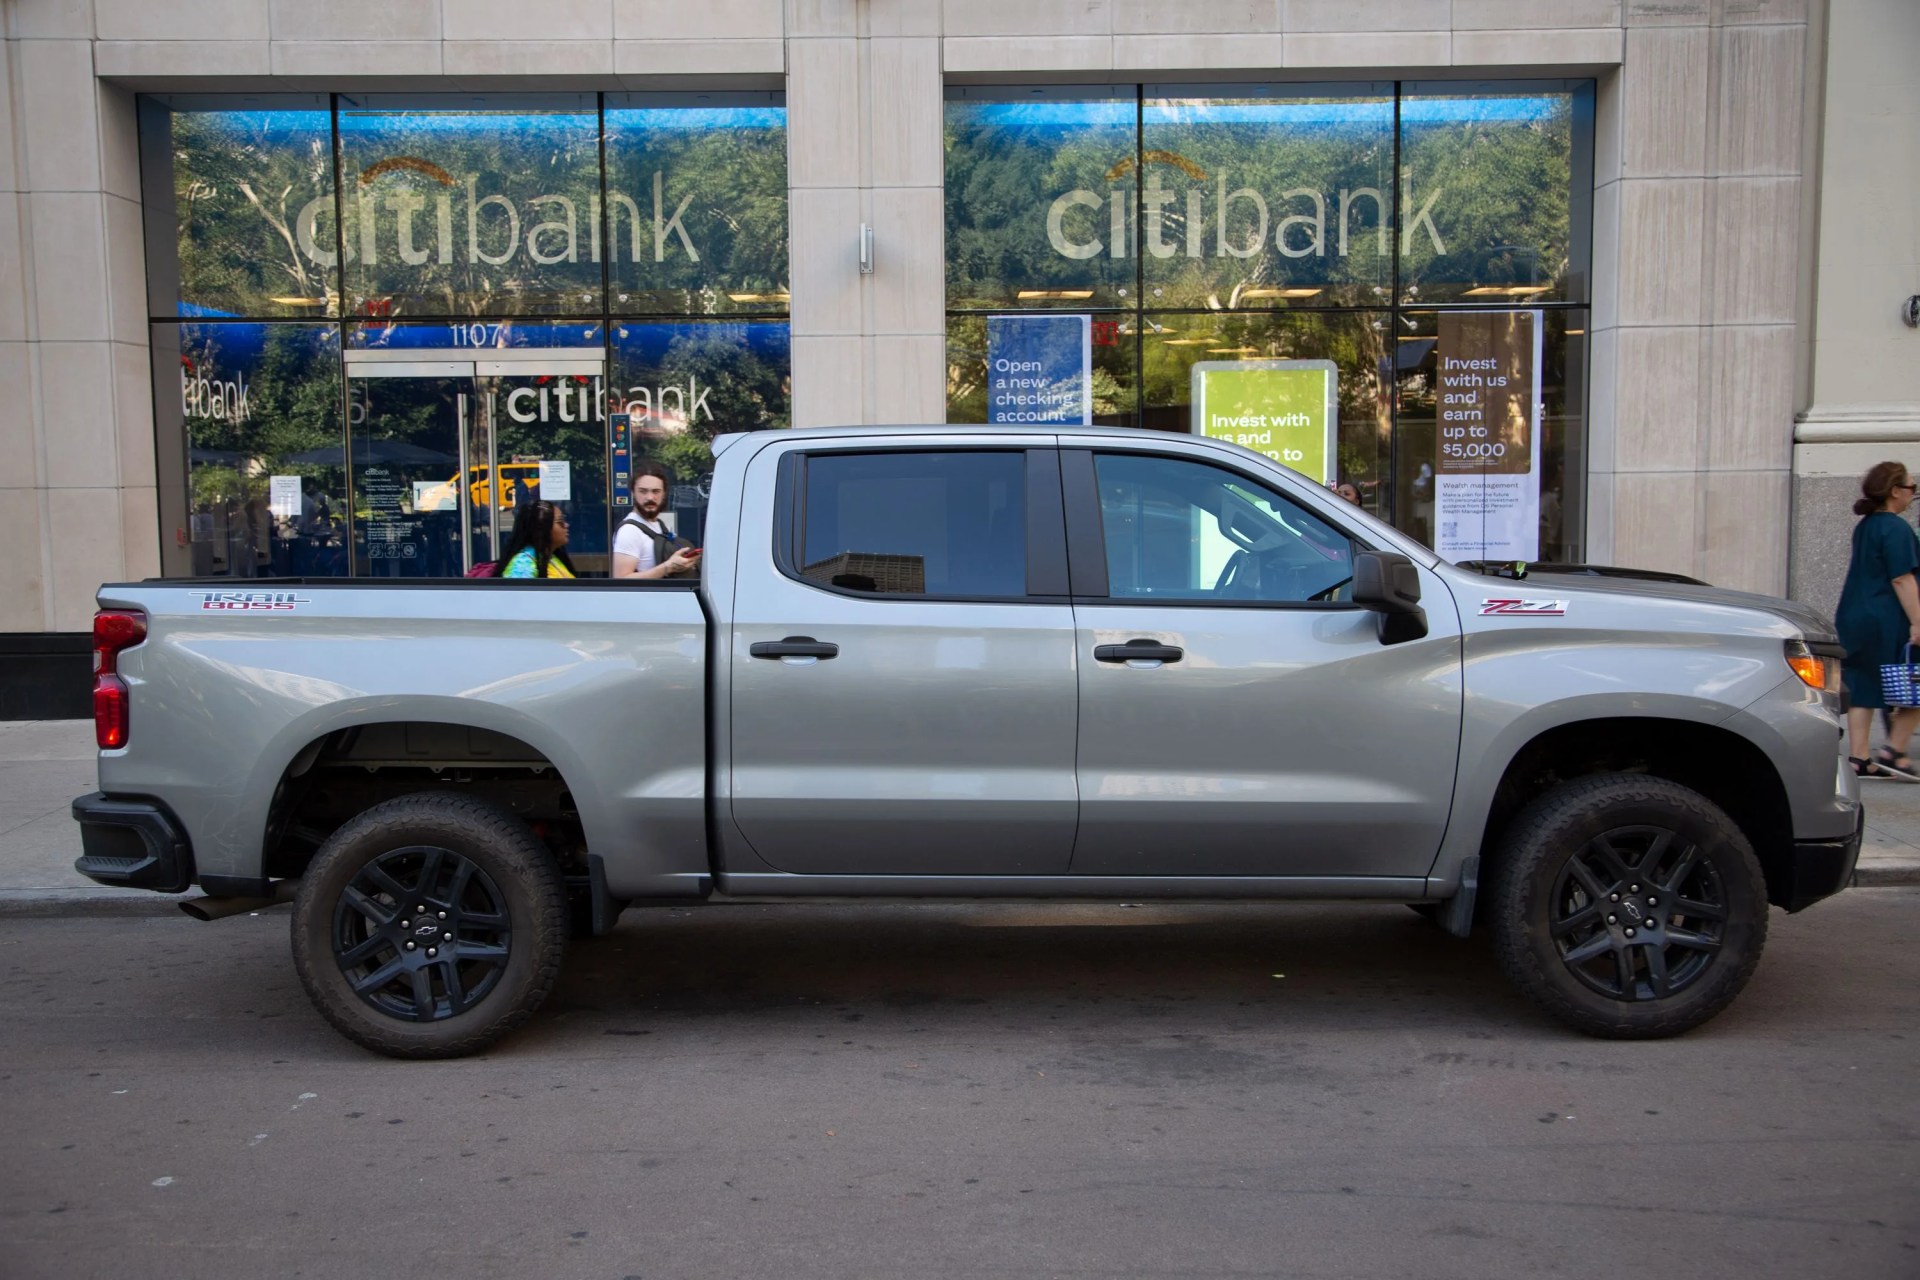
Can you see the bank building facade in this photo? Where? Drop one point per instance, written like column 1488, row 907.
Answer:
column 325, row 288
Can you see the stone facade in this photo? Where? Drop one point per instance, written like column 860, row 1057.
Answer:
column 1701, row 269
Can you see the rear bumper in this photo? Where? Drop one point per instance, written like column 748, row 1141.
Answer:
column 1816, row 869
column 132, row 842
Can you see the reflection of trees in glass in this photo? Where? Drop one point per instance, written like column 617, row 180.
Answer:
column 1007, row 162
column 1252, row 194
column 242, row 181
column 1503, row 170
column 722, row 172
column 471, row 212
column 739, row 375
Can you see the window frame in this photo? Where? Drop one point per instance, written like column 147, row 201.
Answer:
column 1046, row 533
column 1087, row 544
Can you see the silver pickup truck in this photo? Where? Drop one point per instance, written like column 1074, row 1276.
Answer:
column 958, row 662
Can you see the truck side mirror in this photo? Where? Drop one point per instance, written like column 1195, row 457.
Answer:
column 1387, row 583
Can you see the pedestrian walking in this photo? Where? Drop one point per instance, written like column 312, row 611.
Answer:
column 1879, row 618
column 538, row 547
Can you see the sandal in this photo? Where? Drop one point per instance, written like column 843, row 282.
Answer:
column 1896, row 764
column 1868, row 770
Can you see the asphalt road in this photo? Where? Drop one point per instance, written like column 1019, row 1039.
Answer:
column 1002, row 1091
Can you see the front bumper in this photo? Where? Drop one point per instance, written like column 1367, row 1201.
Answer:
column 132, row 843
column 1815, row 869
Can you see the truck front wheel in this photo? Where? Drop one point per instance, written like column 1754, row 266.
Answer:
column 1627, row 906
column 429, row 926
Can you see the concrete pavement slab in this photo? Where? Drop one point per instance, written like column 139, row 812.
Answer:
column 44, row 764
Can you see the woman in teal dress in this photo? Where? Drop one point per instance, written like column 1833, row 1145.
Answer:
column 1878, row 617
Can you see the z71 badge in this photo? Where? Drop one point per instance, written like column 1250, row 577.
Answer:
column 251, row 601
column 1534, row 608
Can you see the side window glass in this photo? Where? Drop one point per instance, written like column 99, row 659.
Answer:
column 938, row 524
column 1178, row 530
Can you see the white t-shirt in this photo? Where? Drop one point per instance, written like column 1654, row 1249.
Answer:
column 629, row 541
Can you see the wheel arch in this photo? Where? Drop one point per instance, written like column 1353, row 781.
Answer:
column 340, row 764
column 1720, row 764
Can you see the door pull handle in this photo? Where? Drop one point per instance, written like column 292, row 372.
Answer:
column 1139, row 651
column 794, row 647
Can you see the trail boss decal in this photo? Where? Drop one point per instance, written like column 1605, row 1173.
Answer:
column 1535, row 608
column 250, row 601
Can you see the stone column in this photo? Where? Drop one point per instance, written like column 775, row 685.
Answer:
column 864, row 104
column 1695, row 226
column 73, row 331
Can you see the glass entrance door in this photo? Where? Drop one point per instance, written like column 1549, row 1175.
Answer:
column 442, row 451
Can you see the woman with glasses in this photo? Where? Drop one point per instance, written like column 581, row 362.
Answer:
column 538, row 547
column 1879, row 617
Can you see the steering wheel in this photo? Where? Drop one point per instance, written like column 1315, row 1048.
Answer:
column 1231, row 574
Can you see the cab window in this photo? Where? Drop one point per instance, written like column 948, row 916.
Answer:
column 1181, row 530
column 920, row 524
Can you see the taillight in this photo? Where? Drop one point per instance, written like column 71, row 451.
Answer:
column 113, row 630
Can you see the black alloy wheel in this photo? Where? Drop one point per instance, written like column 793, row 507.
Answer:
column 430, row 925
column 1627, row 906
column 1638, row 914
column 422, row 933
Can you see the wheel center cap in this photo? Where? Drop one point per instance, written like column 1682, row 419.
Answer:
column 426, row 931
column 1631, row 912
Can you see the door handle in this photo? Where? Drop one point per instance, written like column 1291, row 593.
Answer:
column 1139, row 651
column 794, row 647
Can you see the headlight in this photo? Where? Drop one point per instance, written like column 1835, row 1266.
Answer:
column 1817, row 666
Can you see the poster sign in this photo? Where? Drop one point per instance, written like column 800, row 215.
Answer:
column 1040, row 369
column 283, row 496
column 435, row 495
column 556, row 480
column 1286, row 409
column 1487, row 468
column 620, row 444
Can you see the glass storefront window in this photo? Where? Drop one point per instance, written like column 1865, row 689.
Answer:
column 697, row 203
column 466, row 257
column 1258, row 199
column 255, row 408
column 681, row 383
column 1489, row 174
column 471, row 205
column 240, row 208
column 1040, row 197
column 1298, row 260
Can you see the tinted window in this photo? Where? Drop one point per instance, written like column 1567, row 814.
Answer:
column 1188, row 531
column 945, row 524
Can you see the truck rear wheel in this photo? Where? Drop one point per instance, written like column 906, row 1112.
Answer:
column 1629, row 907
column 430, row 926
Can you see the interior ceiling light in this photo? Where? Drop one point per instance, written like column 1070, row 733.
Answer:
column 1232, row 351
column 299, row 302
column 1185, row 342
column 1282, row 293
column 1062, row 294
column 760, row 297
column 1506, row 290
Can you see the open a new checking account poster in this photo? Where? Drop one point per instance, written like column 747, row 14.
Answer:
column 1285, row 409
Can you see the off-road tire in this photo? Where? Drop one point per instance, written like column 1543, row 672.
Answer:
column 507, row 864
column 1603, row 822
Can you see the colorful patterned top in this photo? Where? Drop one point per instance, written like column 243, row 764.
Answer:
column 524, row 563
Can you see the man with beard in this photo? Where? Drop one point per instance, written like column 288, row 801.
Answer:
column 643, row 547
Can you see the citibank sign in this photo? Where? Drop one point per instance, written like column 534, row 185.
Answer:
column 461, row 224
column 1217, row 219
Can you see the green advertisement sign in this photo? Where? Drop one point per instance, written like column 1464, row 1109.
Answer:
column 1282, row 408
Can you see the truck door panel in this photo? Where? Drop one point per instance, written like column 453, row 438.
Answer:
column 902, row 697
column 1265, row 730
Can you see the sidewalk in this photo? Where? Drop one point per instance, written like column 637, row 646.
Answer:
column 44, row 764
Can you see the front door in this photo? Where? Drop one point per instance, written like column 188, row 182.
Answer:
column 444, row 447
column 901, row 663
column 1237, row 716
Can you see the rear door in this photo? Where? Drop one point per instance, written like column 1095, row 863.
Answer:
column 1237, row 715
column 902, row 663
